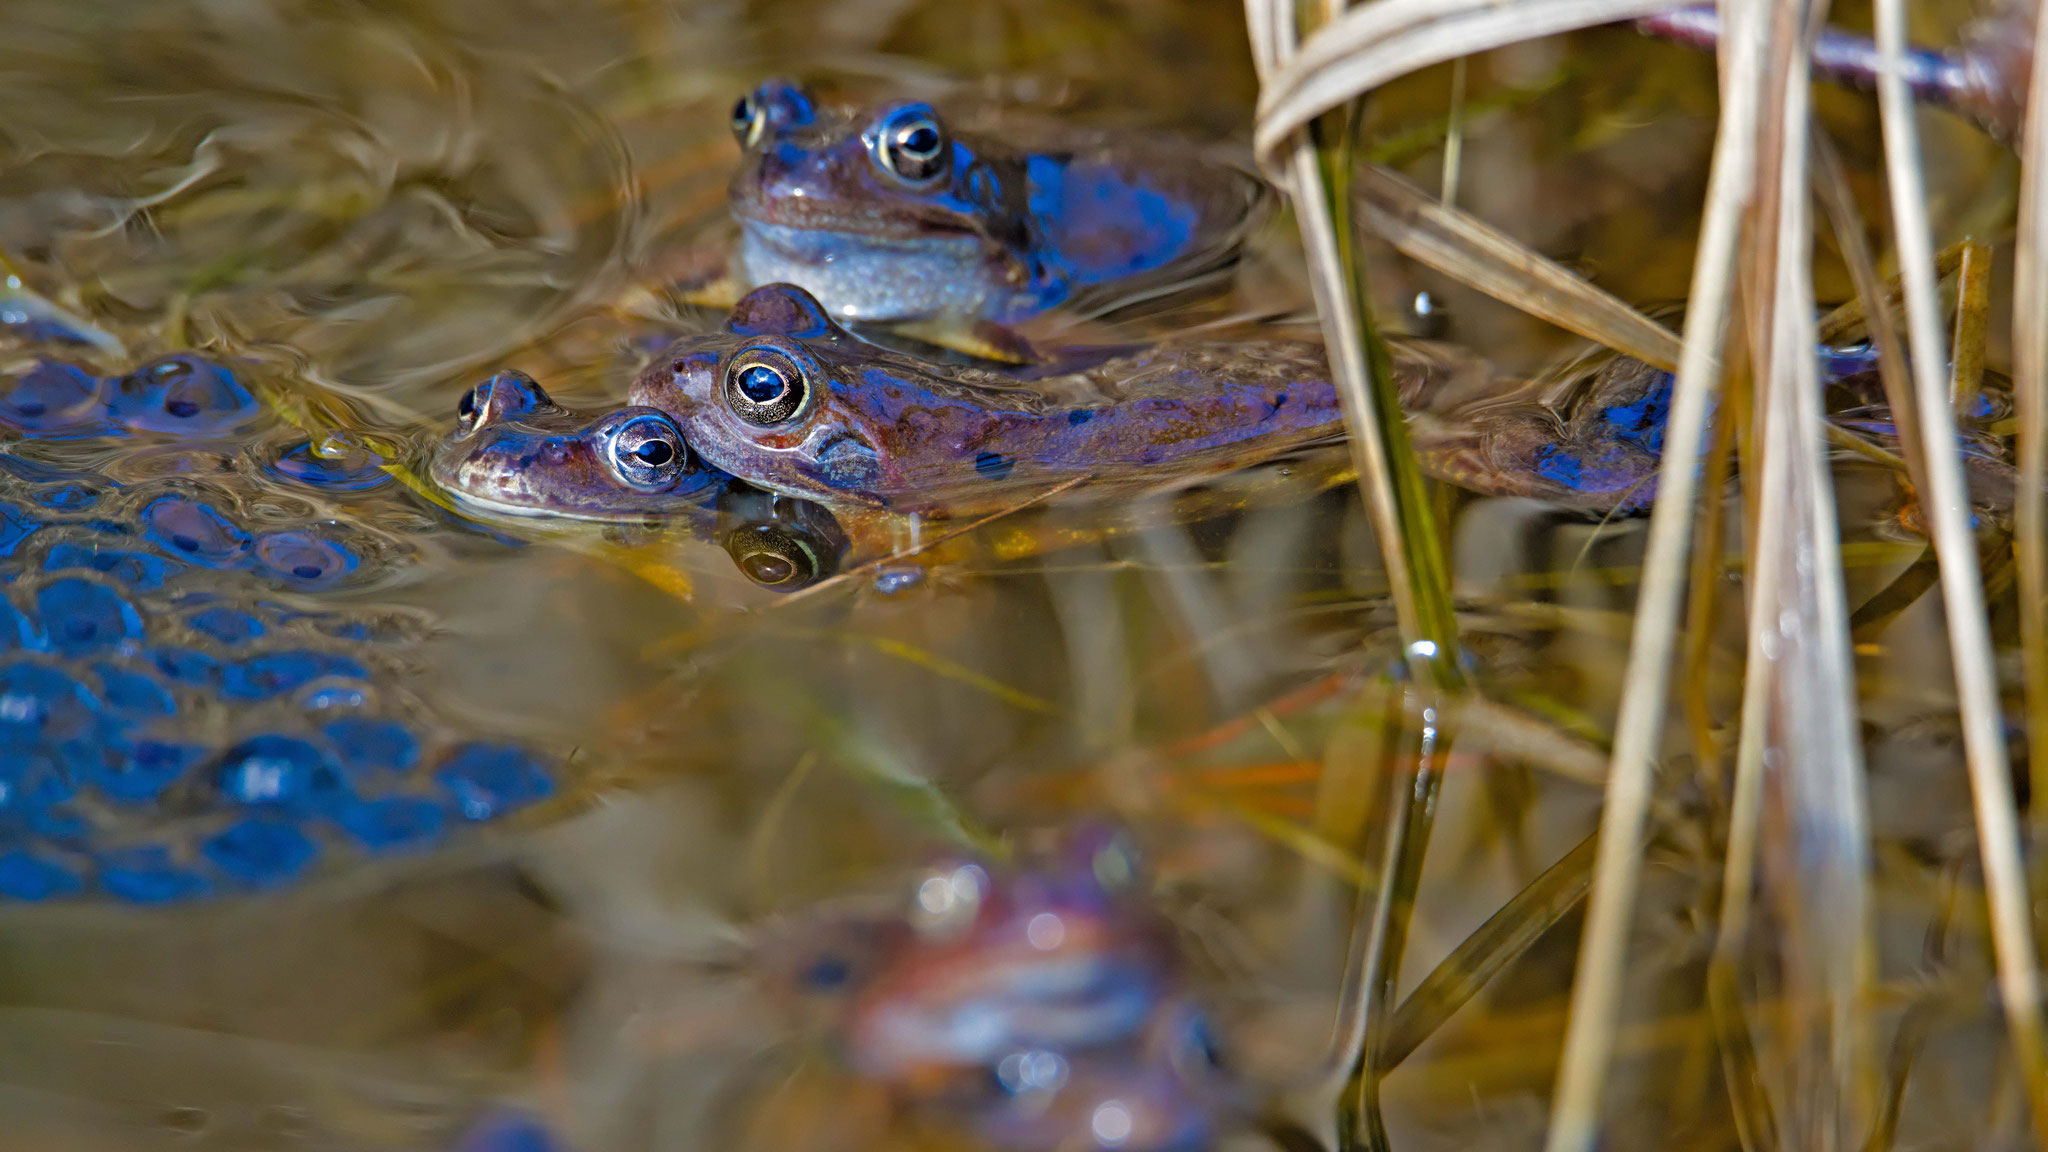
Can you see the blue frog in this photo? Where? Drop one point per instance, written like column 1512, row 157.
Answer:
column 894, row 212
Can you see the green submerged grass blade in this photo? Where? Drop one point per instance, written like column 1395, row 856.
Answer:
column 1484, row 954
column 1319, row 170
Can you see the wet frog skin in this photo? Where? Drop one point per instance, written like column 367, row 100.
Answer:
column 789, row 400
column 515, row 452
column 894, row 212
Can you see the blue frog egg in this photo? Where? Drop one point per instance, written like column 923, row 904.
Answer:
column 80, row 617
column 227, row 625
column 54, row 400
column 132, row 695
column 280, row 673
column 260, row 852
column 138, row 570
column 32, row 877
column 365, row 747
column 140, row 772
column 194, row 532
column 394, row 823
column 273, row 770
column 41, row 706
column 489, row 780
column 335, row 696
column 337, row 466
column 183, row 393
column 16, row 525
column 16, row 629
column 186, row 665
column 31, row 783
column 305, row 559
column 149, row 874
column 67, row 497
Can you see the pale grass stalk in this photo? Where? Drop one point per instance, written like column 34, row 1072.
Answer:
column 1481, row 256
column 1738, row 872
column 1603, row 952
column 1799, row 610
column 1371, row 44
column 1948, row 506
column 2030, row 392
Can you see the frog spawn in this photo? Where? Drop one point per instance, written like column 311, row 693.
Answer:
column 176, row 720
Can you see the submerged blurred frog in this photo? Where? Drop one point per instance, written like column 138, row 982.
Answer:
column 890, row 213
column 1044, row 1005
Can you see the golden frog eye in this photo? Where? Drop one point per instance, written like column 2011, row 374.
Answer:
column 764, row 387
column 909, row 144
column 774, row 558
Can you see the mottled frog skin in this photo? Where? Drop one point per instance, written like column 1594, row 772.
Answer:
column 789, row 400
column 893, row 212
column 1046, row 1005
column 184, row 712
column 515, row 452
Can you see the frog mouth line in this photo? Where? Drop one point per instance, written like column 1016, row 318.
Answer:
column 817, row 229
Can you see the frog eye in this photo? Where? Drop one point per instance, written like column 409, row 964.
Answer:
column 910, row 145
column 783, row 562
column 506, row 396
column 647, row 452
column 747, row 120
column 775, row 104
column 763, row 386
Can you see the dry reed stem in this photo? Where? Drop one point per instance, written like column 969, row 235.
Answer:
column 1799, row 651
column 1947, row 503
column 1596, row 988
column 1369, row 45
column 1476, row 254
column 2030, row 392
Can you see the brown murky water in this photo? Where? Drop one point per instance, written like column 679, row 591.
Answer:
column 384, row 202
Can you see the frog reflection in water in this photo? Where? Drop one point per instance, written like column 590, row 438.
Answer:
column 180, row 716
column 515, row 452
column 1046, row 1007
column 893, row 213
